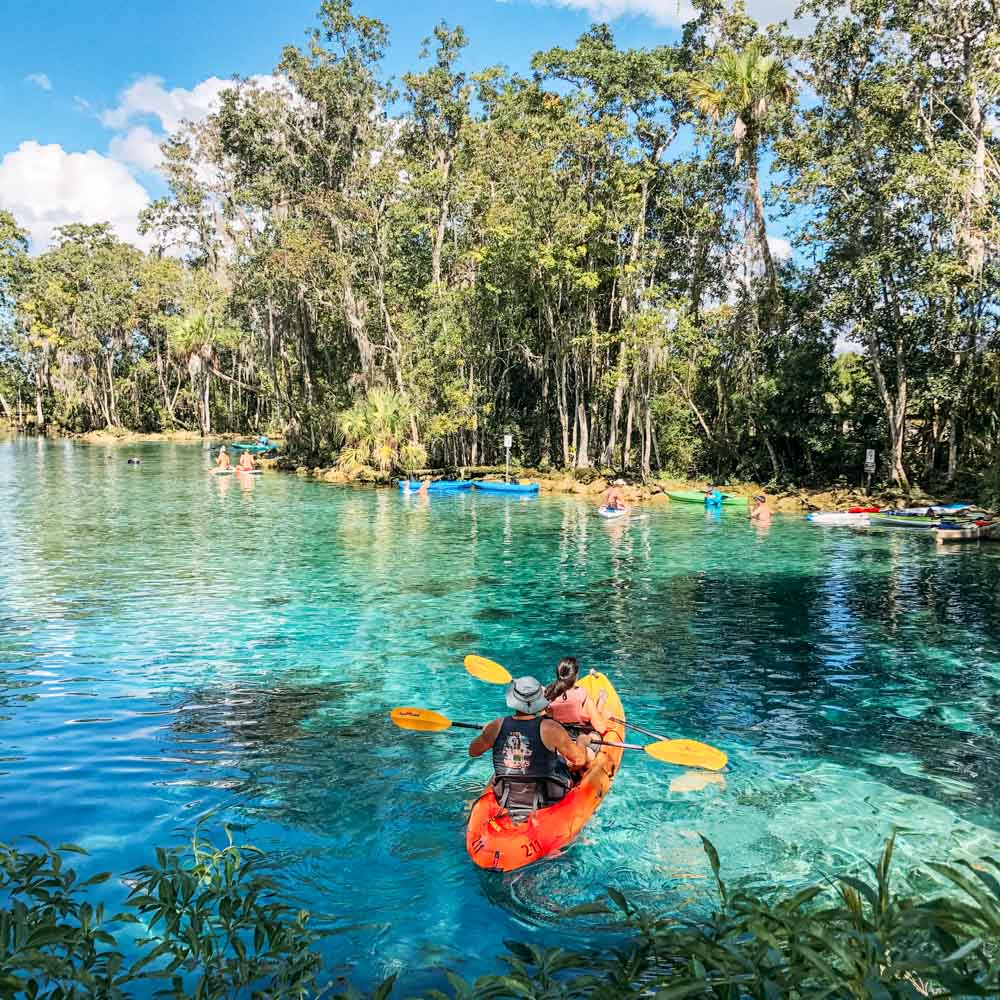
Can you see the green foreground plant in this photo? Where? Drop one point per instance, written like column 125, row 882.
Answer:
column 208, row 922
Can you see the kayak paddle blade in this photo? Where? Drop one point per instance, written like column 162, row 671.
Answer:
column 687, row 753
column 421, row 719
column 487, row 670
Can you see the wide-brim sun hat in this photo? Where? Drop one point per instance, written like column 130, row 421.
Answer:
column 526, row 695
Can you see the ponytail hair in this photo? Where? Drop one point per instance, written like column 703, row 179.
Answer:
column 566, row 675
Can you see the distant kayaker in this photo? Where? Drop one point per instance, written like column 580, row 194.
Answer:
column 223, row 460
column 612, row 498
column 246, row 462
column 760, row 513
column 569, row 703
column 530, row 752
column 713, row 496
column 263, row 441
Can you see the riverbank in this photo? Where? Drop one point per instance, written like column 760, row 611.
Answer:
column 586, row 483
column 590, row 484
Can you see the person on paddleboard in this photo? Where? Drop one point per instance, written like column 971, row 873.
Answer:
column 246, row 462
column 760, row 513
column 532, row 754
column 612, row 498
column 569, row 703
column 223, row 460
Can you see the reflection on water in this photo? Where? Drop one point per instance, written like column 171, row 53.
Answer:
column 176, row 646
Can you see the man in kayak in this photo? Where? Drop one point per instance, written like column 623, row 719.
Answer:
column 760, row 513
column 612, row 499
column 530, row 752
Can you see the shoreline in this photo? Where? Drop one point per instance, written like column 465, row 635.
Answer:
column 585, row 483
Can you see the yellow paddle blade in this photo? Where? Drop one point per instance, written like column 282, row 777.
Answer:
column 487, row 670
column 687, row 753
column 421, row 719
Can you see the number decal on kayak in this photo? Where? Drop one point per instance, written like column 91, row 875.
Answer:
column 531, row 849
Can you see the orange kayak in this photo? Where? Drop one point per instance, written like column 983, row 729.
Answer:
column 495, row 842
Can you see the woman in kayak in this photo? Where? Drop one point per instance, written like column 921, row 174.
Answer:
column 246, row 462
column 570, row 704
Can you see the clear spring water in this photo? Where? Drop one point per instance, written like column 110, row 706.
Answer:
column 176, row 647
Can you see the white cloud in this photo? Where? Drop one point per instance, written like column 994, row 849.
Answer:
column 139, row 147
column 45, row 187
column 780, row 249
column 39, row 79
column 148, row 96
column 670, row 12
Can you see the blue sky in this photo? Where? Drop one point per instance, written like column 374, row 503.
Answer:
column 87, row 90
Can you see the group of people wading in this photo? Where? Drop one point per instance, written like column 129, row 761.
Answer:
column 534, row 750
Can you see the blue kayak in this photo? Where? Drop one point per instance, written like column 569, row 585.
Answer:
column 519, row 488
column 438, row 486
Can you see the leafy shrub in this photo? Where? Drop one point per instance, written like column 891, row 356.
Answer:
column 207, row 922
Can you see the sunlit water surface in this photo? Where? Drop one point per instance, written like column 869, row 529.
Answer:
column 177, row 648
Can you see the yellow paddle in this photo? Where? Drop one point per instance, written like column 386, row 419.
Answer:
column 681, row 752
column 688, row 753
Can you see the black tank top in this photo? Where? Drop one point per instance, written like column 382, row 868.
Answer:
column 518, row 752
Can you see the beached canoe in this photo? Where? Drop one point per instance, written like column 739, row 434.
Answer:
column 694, row 496
column 898, row 519
column 495, row 842
column 839, row 517
column 950, row 531
column 491, row 486
column 438, row 486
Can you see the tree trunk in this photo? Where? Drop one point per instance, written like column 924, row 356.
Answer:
column 952, row 446
column 760, row 221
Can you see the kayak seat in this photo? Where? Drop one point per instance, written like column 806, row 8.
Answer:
column 522, row 798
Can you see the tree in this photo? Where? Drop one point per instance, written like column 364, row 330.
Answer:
column 375, row 430
column 745, row 87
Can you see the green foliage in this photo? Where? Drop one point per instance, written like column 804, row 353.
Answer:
column 208, row 922
column 203, row 922
column 584, row 254
column 375, row 432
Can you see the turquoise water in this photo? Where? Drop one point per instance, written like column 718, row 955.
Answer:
column 177, row 648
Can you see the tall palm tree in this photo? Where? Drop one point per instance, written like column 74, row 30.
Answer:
column 746, row 86
column 375, row 430
column 195, row 338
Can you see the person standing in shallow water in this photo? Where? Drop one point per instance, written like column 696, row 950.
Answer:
column 760, row 512
column 570, row 704
column 530, row 752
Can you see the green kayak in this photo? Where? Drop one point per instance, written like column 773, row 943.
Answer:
column 696, row 496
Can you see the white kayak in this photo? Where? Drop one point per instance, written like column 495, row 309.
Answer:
column 837, row 517
column 612, row 512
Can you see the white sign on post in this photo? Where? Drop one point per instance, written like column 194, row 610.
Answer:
column 870, row 460
column 508, row 440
